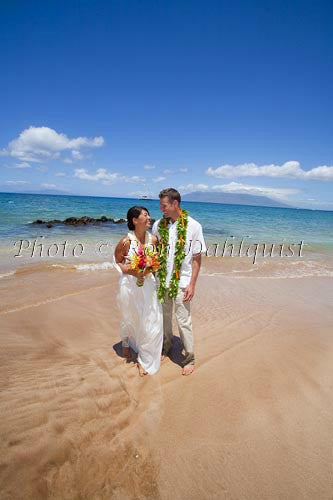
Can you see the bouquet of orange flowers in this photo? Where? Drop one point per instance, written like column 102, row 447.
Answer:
column 144, row 259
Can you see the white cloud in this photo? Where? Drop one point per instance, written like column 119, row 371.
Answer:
column 16, row 165
column 158, row 179
column 149, row 167
column 22, row 165
column 48, row 186
column 179, row 171
column 106, row 177
column 290, row 169
column 16, row 183
column 189, row 188
column 37, row 144
column 60, row 174
column 101, row 174
column 323, row 173
column 68, row 160
column 77, row 155
column 133, row 178
column 236, row 187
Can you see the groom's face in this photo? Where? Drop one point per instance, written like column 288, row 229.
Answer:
column 168, row 208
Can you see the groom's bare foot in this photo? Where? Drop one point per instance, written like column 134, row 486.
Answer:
column 126, row 352
column 142, row 371
column 188, row 369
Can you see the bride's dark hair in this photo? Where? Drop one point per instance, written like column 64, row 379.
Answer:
column 132, row 213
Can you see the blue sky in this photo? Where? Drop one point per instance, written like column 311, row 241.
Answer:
column 115, row 98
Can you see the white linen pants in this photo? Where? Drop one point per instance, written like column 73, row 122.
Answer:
column 184, row 322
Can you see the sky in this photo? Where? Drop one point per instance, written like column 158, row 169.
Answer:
column 127, row 97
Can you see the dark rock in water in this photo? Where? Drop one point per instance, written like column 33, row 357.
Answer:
column 74, row 221
column 79, row 221
column 70, row 220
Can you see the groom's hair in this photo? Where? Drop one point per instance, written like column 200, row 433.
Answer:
column 172, row 195
column 132, row 213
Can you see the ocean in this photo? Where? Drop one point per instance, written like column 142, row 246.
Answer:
column 239, row 231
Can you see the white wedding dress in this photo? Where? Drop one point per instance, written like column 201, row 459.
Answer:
column 142, row 318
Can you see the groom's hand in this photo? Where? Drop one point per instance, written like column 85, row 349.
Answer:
column 188, row 293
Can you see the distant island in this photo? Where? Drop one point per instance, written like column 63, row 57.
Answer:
column 234, row 199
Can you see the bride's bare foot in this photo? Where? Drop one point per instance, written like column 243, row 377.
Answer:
column 142, row 372
column 188, row 369
column 126, row 352
column 165, row 354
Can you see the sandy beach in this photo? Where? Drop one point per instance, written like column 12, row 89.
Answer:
column 253, row 422
column 193, row 128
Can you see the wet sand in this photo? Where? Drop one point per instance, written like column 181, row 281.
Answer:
column 254, row 421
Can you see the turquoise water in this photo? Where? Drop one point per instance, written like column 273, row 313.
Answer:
column 256, row 224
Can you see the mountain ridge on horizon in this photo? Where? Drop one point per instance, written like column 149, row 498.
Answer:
column 234, row 199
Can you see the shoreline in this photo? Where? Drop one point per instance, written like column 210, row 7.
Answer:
column 256, row 266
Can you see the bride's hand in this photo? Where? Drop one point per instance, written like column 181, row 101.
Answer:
column 141, row 274
column 137, row 275
column 126, row 269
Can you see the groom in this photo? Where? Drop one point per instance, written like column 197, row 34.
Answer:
column 181, row 243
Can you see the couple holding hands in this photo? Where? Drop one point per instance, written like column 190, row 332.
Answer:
column 146, row 310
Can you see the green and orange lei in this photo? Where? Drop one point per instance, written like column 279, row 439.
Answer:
column 178, row 258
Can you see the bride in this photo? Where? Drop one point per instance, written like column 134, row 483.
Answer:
column 142, row 320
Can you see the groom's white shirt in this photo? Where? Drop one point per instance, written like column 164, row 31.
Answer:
column 195, row 243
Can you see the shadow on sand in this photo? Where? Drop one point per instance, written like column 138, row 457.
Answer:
column 175, row 354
